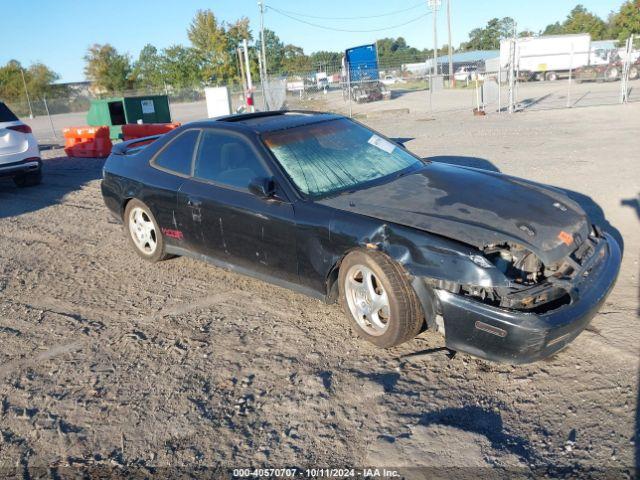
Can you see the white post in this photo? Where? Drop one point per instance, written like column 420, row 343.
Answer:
column 53, row 130
column 262, row 85
column 450, row 47
column 245, row 45
column 349, row 86
column 512, row 61
column 26, row 91
column 499, row 87
column 434, row 6
column 570, row 77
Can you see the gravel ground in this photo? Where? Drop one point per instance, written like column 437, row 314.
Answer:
column 107, row 361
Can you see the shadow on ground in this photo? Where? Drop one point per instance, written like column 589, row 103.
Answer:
column 593, row 210
column 482, row 421
column 61, row 176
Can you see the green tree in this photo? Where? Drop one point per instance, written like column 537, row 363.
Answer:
column 274, row 51
column 326, row 60
column 211, row 42
column 147, row 70
column 395, row 51
column 626, row 21
column 554, row 29
column 108, row 70
column 236, row 33
column 38, row 77
column 580, row 20
column 181, row 66
column 488, row 38
column 11, row 86
column 294, row 60
column 526, row 33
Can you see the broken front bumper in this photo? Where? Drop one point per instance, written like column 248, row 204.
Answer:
column 517, row 337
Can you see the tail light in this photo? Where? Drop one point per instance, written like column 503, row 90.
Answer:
column 20, row 128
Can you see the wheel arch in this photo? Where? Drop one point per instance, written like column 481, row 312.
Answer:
column 426, row 296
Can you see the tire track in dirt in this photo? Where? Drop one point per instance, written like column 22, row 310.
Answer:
column 111, row 329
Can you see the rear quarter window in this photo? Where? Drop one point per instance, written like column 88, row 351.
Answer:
column 6, row 115
column 177, row 155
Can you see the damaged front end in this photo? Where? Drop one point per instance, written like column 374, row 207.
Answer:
column 533, row 287
column 538, row 311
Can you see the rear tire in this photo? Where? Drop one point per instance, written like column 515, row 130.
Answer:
column 376, row 294
column 30, row 179
column 143, row 232
column 551, row 76
column 633, row 73
column 611, row 74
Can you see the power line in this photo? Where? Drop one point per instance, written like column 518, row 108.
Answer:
column 388, row 14
column 344, row 29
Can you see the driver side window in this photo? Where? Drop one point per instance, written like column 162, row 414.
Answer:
column 227, row 159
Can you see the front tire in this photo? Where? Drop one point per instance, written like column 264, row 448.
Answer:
column 28, row 179
column 143, row 232
column 376, row 294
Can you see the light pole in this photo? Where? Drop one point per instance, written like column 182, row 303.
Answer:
column 450, row 46
column 26, row 91
column 263, row 69
column 434, row 5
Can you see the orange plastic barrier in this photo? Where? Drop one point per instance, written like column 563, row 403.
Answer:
column 131, row 131
column 87, row 142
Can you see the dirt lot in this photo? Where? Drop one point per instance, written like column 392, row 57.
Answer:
column 106, row 360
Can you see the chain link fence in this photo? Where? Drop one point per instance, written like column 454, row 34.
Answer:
column 495, row 86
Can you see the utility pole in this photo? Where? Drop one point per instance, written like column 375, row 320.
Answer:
column 245, row 46
column 435, row 4
column 263, row 70
column 249, row 94
column 26, row 91
column 450, row 46
column 242, row 74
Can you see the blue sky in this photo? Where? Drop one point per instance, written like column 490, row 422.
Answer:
column 59, row 32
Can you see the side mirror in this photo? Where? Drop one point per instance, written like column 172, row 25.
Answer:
column 262, row 187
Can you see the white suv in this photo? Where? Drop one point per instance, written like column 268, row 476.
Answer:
column 19, row 152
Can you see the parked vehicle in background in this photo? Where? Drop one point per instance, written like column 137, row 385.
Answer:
column 602, row 72
column 322, row 80
column 549, row 57
column 391, row 80
column 362, row 76
column 506, row 269
column 466, row 74
column 19, row 151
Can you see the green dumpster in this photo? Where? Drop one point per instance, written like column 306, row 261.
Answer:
column 118, row 111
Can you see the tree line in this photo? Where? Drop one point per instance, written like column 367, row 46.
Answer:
column 618, row 26
column 211, row 57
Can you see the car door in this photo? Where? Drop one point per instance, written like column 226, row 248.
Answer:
column 230, row 223
column 171, row 166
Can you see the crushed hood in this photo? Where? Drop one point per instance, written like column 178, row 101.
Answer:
column 476, row 207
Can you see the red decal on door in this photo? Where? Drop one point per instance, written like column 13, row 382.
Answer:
column 172, row 233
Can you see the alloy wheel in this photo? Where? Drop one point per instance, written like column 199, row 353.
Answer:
column 367, row 300
column 143, row 231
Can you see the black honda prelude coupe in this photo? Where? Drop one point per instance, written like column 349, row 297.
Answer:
column 506, row 269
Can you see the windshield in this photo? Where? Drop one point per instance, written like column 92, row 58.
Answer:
column 327, row 157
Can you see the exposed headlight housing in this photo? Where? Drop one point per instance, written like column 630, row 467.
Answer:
column 516, row 262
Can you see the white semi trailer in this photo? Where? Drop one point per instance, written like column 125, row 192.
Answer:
column 549, row 57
